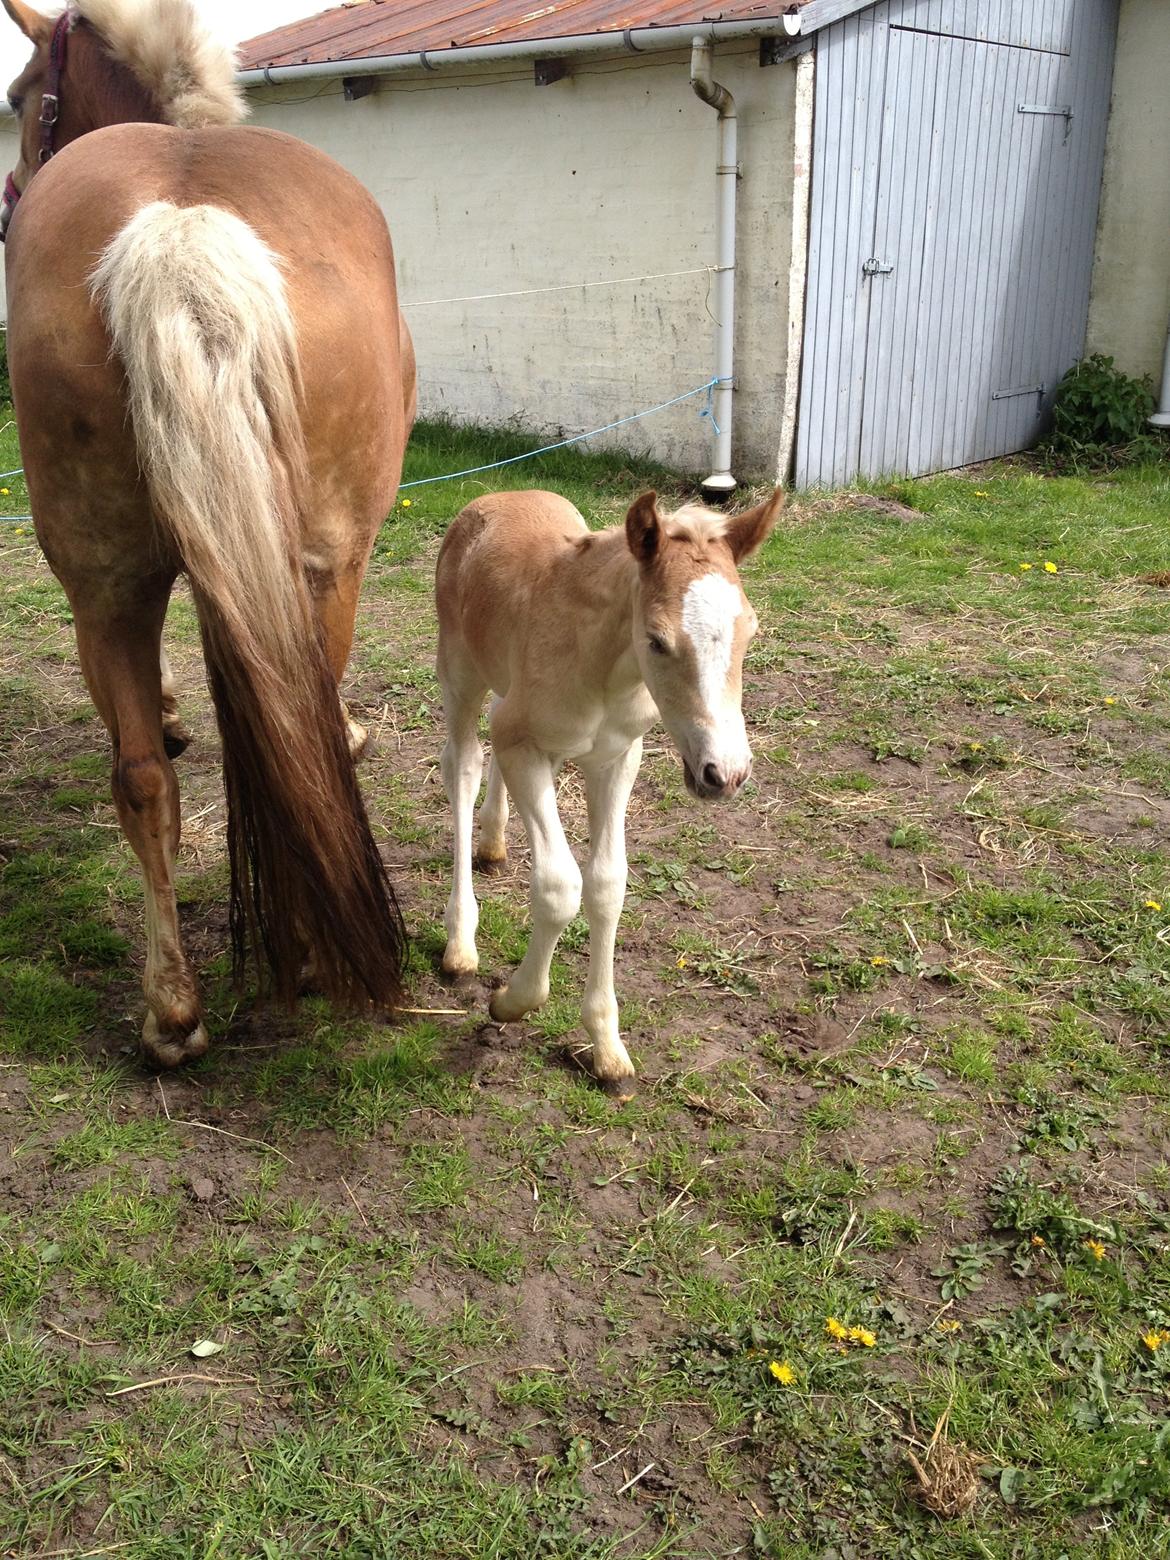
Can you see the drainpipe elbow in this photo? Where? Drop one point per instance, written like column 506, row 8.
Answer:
column 705, row 87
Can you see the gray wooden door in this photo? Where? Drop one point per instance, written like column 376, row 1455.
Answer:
column 958, row 148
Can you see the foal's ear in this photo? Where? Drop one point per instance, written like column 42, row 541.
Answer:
column 35, row 26
column 747, row 533
column 642, row 527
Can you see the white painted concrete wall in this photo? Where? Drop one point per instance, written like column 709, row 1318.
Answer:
column 491, row 184
column 1131, row 278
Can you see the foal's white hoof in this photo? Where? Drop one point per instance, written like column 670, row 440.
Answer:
column 458, row 963
column 506, row 1009
column 620, row 1090
column 356, row 736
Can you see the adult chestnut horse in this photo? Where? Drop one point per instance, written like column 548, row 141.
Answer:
column 211, row 377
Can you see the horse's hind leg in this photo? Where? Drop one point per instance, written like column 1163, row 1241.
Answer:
column 120, row 659
column 336, row 580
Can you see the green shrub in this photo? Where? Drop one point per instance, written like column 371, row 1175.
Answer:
column 1098, row 408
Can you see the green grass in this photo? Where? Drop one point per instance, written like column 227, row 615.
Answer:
column 900, row 1019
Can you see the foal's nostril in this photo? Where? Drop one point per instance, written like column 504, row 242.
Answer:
column 714, row 777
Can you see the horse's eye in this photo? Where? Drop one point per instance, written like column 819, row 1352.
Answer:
column 657, row 646
column 15, row 103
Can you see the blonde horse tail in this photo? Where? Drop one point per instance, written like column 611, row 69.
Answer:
column 195, row 305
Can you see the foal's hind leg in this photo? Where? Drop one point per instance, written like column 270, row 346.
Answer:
column 462, row 766
column 556, row 878
column 492, row 853
column 120, row 659
column 175, row 733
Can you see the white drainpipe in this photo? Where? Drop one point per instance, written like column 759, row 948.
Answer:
column 720, row 484
column 1161, row 418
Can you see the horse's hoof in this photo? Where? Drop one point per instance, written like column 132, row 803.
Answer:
column 620, row 1090
column 176, row 739
column 172, row 1049
column 490, row 866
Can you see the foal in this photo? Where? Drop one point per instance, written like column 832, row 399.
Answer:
column 585, row 639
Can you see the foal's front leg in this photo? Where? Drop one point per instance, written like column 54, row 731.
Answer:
column 607, row 793
column 556, row 878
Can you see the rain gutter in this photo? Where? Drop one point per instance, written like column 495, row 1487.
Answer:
column 634, row 40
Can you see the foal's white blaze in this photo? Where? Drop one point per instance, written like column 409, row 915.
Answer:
column 710, row 611
column 710, row 608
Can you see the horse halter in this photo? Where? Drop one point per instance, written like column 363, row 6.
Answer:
column 50, row 109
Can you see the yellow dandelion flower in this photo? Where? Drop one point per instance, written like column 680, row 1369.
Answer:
column 878, row 960
column 1110, row 701
column 949, row 1326
column 835, row 1329
column 1049, row 568
column 863, row 1336
column 1154, row 1340
column 1038, row 1240
column 4, row 492
column 406, row 503
column 1152, row 904
column 680, row 962
column 19, row 531
column 1024, row 567
column 974, row 747
column 1096, row 1249
column 979, row 493
column 783, row 1372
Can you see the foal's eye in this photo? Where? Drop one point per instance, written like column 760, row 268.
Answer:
column 656, row 645
column 15, row 103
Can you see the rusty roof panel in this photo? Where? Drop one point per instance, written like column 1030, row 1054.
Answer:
column 378, row 27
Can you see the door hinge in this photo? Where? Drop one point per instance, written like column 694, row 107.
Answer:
column 875, row 267
column 1038, row 391
column 1058, row 111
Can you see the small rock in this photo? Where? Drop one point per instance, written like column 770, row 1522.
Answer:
column 202, row 1188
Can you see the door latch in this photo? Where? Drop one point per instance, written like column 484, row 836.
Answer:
column 875, row 267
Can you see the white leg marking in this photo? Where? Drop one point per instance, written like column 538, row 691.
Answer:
column 461, row 765
column 556, row 878
column 607, row 793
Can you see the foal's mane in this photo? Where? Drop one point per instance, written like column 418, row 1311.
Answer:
column 185, row 70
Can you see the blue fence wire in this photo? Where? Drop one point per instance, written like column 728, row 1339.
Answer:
column 561, row 444
column 706, row 388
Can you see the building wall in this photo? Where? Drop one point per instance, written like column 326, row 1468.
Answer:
column 492, row 185
column 1131, row 278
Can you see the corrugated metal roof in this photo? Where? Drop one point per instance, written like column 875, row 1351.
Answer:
column 378, row 27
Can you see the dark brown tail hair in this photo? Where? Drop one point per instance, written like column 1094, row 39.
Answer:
column 196, row 308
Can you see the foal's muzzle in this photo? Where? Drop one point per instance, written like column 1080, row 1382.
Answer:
column 7, row 206
column 714, row 784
